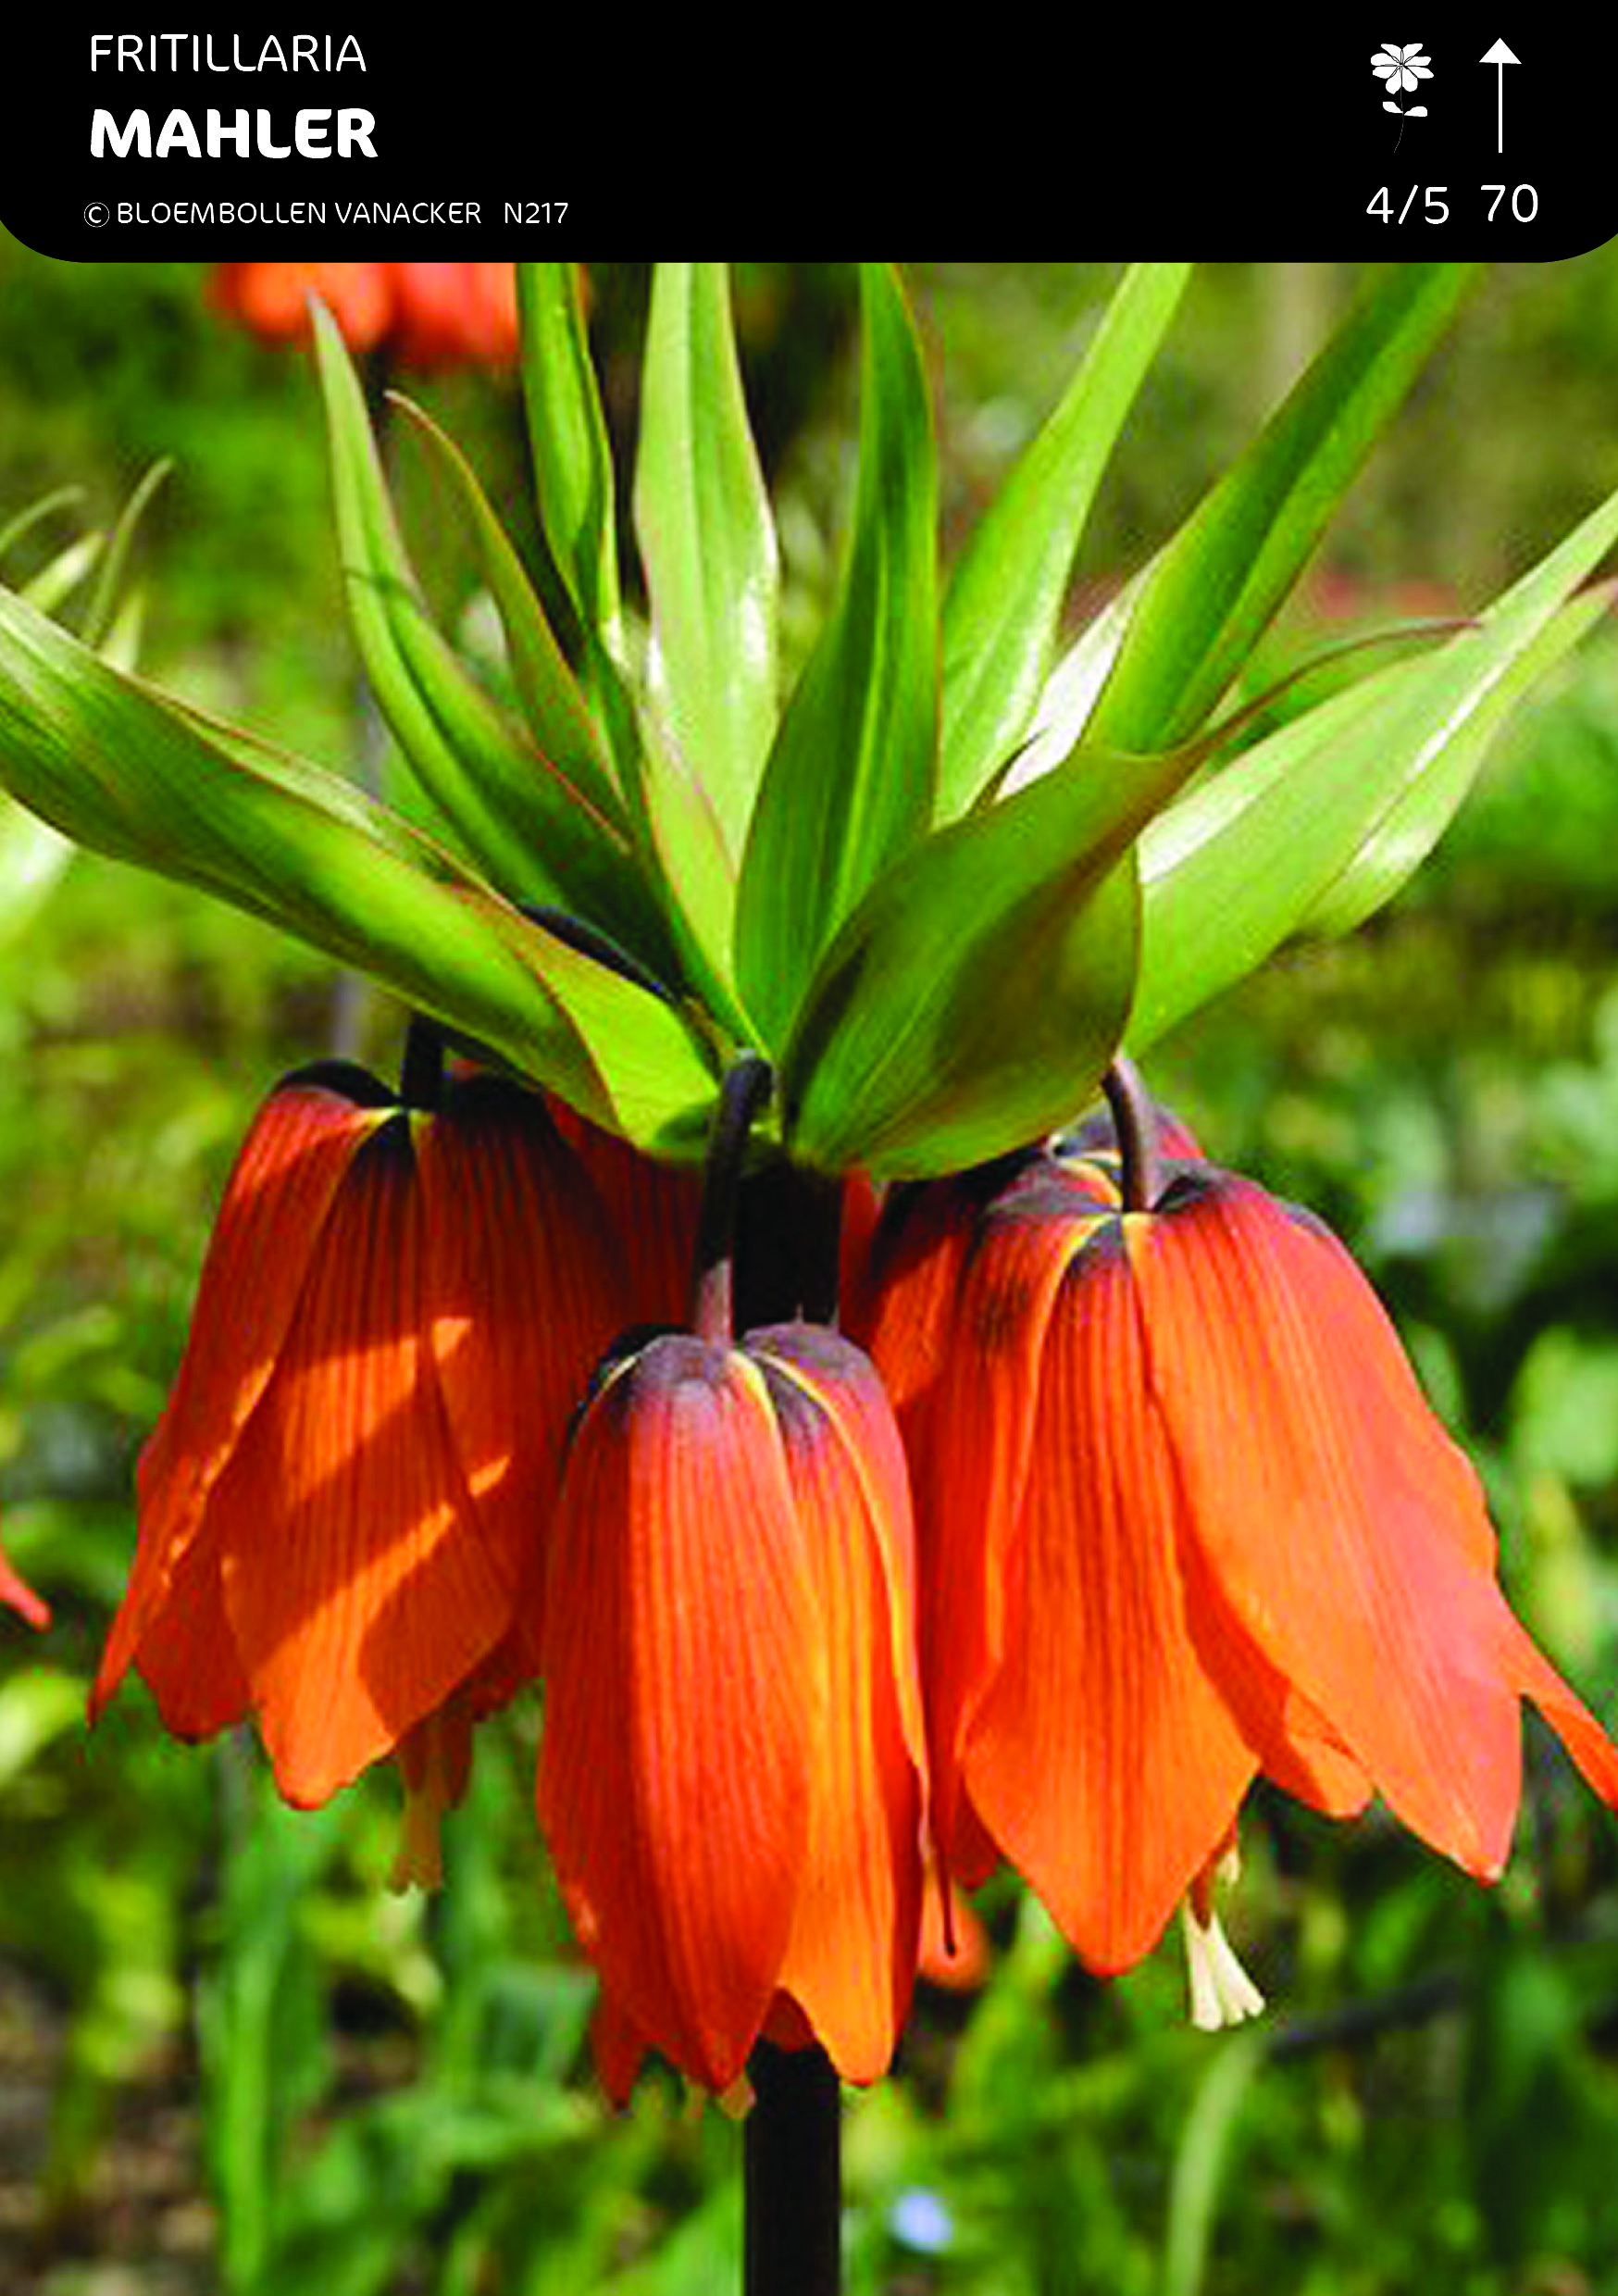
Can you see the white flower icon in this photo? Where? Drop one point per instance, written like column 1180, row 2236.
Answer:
column 1402, row 68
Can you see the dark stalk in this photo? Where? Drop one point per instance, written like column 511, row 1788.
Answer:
column 791, row 2175
column 1135, row 1122
column 746, row 1088
column 767, row 1250
column 590, row 941
column 785, row 1243
column 421, row 1070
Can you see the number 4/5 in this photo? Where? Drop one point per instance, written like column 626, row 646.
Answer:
column 1435, row 206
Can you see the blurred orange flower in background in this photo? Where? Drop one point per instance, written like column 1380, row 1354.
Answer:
column 424, row 315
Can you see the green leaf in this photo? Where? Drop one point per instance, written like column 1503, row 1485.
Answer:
column 1312, row 828
column 36, row 513
column 1212, row 592
column 568, row 432
column 976, row 996
column 552, row 702
column 103, row 605
column 699, row 879
column 1414, row 824
column 849, row 784
column 61, row 576
column 1005, row 596
column 519, row 819
column 708, row 542
column 116, row 767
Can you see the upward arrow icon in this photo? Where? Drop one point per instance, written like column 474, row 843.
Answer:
column 1499, row 55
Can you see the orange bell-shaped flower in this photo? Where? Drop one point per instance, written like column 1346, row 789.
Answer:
column 342, row 1509
column 1183, row 1516
column 732, row 1772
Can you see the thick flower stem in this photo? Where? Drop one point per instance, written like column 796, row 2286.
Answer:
column 1135, row 1122
column 787, row 1232
column 747, row 1087
column 791, row 2175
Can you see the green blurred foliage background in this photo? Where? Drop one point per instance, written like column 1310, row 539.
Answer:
column 228, row 2058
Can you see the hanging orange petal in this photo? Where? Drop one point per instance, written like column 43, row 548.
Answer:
column 953, row 1952
column 187, row 1652
column 969, row 1358
column 1345, row 1531
column 861, row 1212
column 378, row 1595
column 652, row 1209
column 270, row 1229
column 524, row 1288
column 1101, row 1758
column 850, row 1960
column 674, row 1780
column 902, row 1311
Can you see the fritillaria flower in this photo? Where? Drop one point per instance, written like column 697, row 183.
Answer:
column 426, row 315
column 1183, row 1517
column 341, row 1512
column 731, row 1776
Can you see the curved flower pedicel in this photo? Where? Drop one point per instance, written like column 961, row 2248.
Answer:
column 342, row 1509
column 1184, row 1517
column 732, row 1772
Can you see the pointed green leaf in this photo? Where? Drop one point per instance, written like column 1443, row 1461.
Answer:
column 35, row 514
column 111, row 765
column 557, row 717
column 1414, row 824
column 1070, row 693
column 1005, row 596
column 568, row 432
column 519, row 819
column 849, row 784
column 708, row 542
column 1213, row 589
column 103, row 605
column 61, row 576
column 699, row 877
column 976, row 995
column 1312, row 828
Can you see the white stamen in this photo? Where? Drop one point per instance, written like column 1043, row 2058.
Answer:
column 1222, row 1992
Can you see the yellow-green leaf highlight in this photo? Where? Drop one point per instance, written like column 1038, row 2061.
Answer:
column 848, row 785
column 1005, row 596
column 708, row 542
